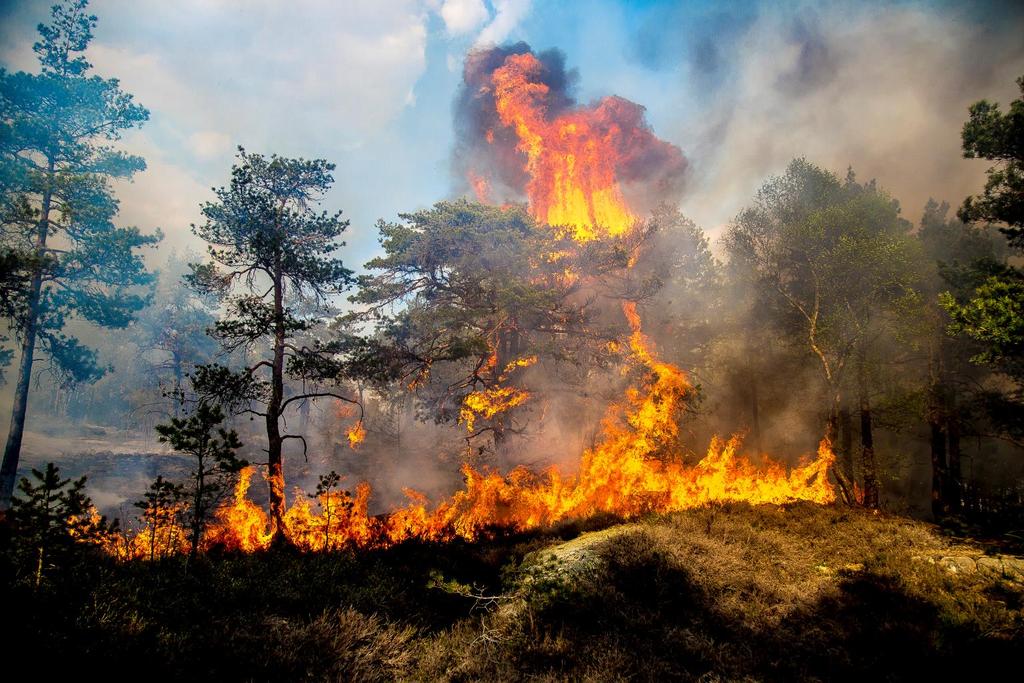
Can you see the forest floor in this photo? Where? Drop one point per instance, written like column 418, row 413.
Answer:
column 727, row 593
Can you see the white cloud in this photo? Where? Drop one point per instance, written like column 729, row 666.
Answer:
column 293, row 74
column 508, row 14
column 462, row 16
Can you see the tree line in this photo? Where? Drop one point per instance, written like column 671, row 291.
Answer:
column 887, row 326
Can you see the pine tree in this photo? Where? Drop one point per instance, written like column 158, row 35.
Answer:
column 993, row 314
column 271, row 258
column 216, row 462
column 332, row 504
column 67, row 258
column 52, row 517
column 161, row 511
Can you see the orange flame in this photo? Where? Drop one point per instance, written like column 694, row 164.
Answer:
column 571, row 160
column 624, row 474
column 481, row 187
column 356, row 434
column 489, row 402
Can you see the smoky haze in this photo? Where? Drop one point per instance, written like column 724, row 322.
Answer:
column 880, row 86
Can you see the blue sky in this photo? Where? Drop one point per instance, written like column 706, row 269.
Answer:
column 368, row 84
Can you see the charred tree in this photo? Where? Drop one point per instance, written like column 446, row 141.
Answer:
column 846, row 440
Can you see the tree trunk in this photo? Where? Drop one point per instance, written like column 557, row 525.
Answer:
column 831, row 432
column 867, row 441
column 755, row 419
column 198, row 510
column 179, row 378
column 12, row 451
column 846, row 441
column 275, row 473
column 938, row 450
column 937, row 436
column 507, row 351
column 954, row 481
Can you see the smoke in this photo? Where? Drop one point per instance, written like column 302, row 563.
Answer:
column 648, row 169
column 880, row 87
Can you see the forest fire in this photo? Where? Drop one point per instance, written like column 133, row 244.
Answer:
column 575, row 161
column 626, row 474
column 551, row 409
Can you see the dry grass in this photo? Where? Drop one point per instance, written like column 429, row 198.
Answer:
column 735, row 593
column 728, row 593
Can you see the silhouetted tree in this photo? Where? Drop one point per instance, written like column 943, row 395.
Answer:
column 331, row 504
column 216, row 463
column 161, row 511
column 52, row 517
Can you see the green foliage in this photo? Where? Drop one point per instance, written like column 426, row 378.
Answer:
column 216, row 462
column 58, row 205
column 263, row 224
column 272, row 263
column 994, row 317
column 993, row 135
column 463, row 289
column 989, row 310
column 52, row 518
column 833, row 261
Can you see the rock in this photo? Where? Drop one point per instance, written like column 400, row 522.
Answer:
column 990, row 566
column 958, row 564
column 1013, row 568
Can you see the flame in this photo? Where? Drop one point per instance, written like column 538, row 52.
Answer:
column 481, row 187
column 489, row 402
column 571, row 160
column 524, row 362
column 240, row 524
column 624, row 474
column 356, row 434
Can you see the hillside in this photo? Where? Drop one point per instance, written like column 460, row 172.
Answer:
column 726, row 593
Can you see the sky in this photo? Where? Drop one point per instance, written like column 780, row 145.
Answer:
column 740, row 87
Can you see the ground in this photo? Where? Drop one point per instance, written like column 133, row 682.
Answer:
column 727, row 593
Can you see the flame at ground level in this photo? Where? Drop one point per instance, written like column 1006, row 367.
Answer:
column 630, row 472
column 520, row 500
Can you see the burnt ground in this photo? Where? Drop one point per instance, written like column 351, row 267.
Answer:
column 726, row 593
